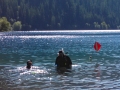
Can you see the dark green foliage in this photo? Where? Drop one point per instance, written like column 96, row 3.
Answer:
column 62, row 14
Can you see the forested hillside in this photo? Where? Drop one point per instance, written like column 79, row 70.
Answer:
column 62, row 14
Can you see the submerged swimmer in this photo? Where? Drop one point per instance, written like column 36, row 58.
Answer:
column 90, row 58
column 29, row 64
column 97, row 70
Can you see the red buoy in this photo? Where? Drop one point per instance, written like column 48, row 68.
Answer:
column 97, row 46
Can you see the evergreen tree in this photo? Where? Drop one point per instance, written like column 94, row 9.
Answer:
column 62, row 14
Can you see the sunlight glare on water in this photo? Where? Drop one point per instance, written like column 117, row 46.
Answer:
column 42, row 47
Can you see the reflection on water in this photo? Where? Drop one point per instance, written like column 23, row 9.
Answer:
column 83, row 76
column 42, row 48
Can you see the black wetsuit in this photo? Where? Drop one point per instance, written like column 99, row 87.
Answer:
column 63, row 61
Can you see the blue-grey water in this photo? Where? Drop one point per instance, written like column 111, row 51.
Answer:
column 42, row 47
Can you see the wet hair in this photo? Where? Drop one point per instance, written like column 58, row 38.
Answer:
column 29, row 64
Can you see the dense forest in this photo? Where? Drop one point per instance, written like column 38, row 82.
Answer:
column 62, row 14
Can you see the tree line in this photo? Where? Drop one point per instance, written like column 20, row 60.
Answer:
column 60, row 14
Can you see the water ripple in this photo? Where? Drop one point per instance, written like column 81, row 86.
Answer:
column 18, row 47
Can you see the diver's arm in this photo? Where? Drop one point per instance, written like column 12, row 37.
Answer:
column 56, row 61
column 70, row 61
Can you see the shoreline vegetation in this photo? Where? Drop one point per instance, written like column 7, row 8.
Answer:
column 40, row 15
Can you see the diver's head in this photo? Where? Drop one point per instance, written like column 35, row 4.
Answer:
column 61, row 53
column 29, row 64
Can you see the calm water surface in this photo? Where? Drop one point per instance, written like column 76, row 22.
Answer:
column 42, row 47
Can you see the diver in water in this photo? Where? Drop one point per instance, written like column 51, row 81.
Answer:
column 90, row 58
column 29, row 64
column 63, row 62
column 97, row 70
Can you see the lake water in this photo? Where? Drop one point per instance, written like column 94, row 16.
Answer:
column 42, row 47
